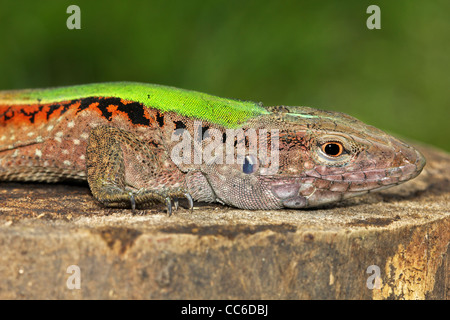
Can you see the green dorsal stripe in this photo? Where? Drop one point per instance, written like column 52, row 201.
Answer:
column 223, row 111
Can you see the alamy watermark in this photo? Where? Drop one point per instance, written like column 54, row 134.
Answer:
column 209, row 146
column 374, row 281
column 74, row 20
column 374, row 20
column 74, row 280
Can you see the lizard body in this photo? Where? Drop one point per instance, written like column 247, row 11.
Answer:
column 136, row 144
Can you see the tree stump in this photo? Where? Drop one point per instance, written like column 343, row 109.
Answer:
column 393, row 244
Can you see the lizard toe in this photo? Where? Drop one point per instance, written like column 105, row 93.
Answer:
column 132, row 201
column 191, row 202
column 169, row 206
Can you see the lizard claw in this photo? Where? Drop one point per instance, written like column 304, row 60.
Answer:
column 133, row 201
column 169, row 206
column 191, row 202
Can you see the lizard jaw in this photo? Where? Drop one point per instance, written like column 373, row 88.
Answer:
column 315, row 190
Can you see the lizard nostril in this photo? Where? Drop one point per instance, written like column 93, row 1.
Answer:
column 407, row 162
column 413, row 157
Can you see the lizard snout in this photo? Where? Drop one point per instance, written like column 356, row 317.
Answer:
column 407, row 163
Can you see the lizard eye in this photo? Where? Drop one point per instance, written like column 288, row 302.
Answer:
column 249, row 165
column 332, row 149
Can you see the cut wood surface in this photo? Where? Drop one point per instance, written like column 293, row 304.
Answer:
column 401, row 234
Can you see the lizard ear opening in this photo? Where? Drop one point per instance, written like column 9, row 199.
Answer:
column 250, row 164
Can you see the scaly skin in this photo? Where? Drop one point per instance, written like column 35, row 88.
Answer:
column 120, row 138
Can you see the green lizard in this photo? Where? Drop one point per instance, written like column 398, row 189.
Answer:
column 138, row 144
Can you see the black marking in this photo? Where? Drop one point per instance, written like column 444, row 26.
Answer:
column 179, row 125
column 6, row 117
column 179, row 128
column 135, row 112
column 63, row 107
column 160, row 118
column 31, row 114
column 103, row 104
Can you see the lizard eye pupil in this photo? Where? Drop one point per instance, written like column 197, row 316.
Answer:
column 332, row 149
column 249, row 165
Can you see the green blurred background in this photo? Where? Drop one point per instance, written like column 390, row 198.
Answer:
column 314, row 53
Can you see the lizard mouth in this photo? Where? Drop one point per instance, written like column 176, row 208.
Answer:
column 315, row 189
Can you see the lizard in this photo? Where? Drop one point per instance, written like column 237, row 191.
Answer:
column 140, row 144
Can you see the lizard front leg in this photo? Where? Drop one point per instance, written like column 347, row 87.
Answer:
column 124, row 171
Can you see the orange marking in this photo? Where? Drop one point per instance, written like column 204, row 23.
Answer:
column 33, row 114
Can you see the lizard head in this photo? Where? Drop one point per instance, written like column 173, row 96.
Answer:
column 306, row 157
